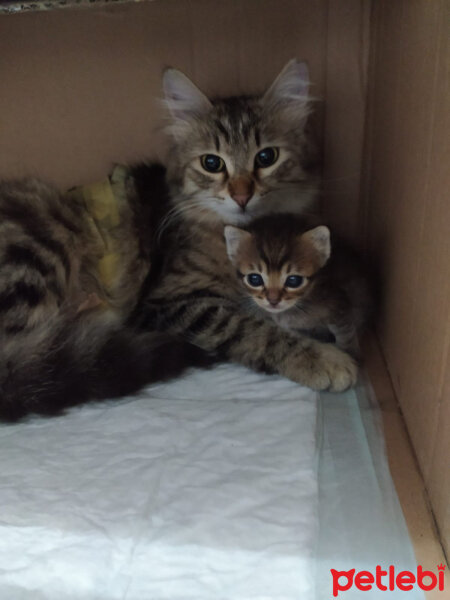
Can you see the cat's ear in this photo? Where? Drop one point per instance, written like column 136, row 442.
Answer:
column 234, row 238
column 319, row 239
column 183, row 99
column 290, row 87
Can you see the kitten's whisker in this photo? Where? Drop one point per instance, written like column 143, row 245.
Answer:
column 300, row 309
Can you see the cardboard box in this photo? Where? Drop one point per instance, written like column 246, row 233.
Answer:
column 407, row 204
column 78, row 90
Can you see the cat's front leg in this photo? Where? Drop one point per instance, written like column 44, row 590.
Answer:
column 346, row 336
column 320, row 366
column 219, row 327
column 262, row 346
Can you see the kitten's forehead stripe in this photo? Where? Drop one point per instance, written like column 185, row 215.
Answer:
column 274, row 251
column 262, row 251
column 281, row 260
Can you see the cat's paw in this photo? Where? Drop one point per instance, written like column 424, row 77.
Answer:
column 326, row 367
column 339, row 370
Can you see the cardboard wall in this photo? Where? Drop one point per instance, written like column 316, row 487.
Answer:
column 407, row 204
column 79, row 86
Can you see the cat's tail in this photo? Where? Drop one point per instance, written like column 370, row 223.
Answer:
column 91, row 358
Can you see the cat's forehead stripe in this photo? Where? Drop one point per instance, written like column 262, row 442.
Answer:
column 236, row 120
column 257, row 136
column 220, row 126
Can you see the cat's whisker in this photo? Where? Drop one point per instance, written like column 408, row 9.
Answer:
column 175, row 210
column 201, row 213
column 175, row 213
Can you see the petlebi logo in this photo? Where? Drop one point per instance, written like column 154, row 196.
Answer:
column 388, row 579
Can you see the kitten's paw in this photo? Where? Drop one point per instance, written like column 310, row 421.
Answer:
column 326, row 367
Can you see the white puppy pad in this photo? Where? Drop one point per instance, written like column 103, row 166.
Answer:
column 204, row 488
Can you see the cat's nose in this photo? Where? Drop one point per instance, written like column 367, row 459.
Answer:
column 241, row 199
column 241, row 190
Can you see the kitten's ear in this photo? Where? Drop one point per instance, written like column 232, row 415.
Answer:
column 319, row 239
column 183, row 98
column 290, row 87
column 234, row 238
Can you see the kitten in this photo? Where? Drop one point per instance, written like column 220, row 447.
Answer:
column 63, row 339
column 232, row 160
column 290, row 272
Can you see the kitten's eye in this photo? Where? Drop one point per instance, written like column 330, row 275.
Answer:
column 266, row 157
column 212, row 163
column 255, row 280
column 294, row 281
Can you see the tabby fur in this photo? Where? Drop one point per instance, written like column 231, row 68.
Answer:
column 63, row 338
column 196, row 295
column 305, row 282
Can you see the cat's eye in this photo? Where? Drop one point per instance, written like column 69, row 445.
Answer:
column 266, row 157
column 212, row 163
column 294, row 281
column 255, row 280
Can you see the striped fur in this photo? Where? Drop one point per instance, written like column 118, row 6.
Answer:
column 43, row 245
column 333, row 297
column 236, row 129
column 199, row 298
column 197, row 294
column 62, row 334
column 58, row 348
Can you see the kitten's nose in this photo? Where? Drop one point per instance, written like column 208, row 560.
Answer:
column 273, row 296
column 241, row 190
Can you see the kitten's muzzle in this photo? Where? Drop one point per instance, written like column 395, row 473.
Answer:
column 241, row 190
column 273, row 297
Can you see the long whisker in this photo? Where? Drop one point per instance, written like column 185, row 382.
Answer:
column 176, row 212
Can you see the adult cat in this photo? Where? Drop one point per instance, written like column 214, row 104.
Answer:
column 62, row 335
column 231, row 160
